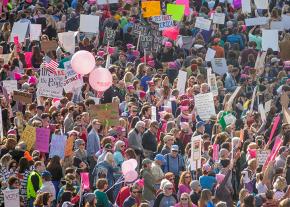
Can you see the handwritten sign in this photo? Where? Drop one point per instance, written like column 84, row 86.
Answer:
column 35, row 31
column 22, row 97
column 49, row 45
column 262, row 156
column 68, row 151
column 72, row 80
column 42, row 139
column 11, row 197
column 202, row 23
column 163, row 21
column 150, row 8
column 219, row 18
column 219, row 65
column 108, row 114
column 146, row 42
column 57, row 146
column 109, row 36
column 205, row 105
column 10, row 85
column 140, row 29
column 29, row 136
column 89, row 23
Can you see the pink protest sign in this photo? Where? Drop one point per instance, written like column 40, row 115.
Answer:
column 85, row 181
column 186, row 5
column 42, row 139
column 275, row 125
column 215, row 154
column 274, row 151
column 28, row 56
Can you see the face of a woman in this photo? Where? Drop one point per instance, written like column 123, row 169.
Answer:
column 184, row 199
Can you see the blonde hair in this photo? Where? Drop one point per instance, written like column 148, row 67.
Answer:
column 280, row 183
column 182, row 177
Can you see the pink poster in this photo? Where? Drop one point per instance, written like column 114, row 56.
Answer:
column 28, row 56
column 215, row 154
column 186, row 4
column 42, row 139
column 85, row 181
column 274, row 151
column 275, row 125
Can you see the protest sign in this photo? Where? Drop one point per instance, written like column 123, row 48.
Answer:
column 150, row 8
column 5, row 58
column 274, row 152
column 67, row 41
column 11, row 197
column 20, row 30
column 164, row 21
column 270, row 39
column 35, row 31
column 49, row 45
column 185, row 42
column 42, row 139
column 219, row 65
column 229, row 119
column 1, row 124
column 29, row 136
column 22, row 97
column 246, row 6
column 195, row 159
column 262, row 156
column 146, row 42
column 50, row 85
column 186, row 5
column 215, row 154
column 176, row 11
column 204, row 105
column 210, row 54
column 140, row 29
column 57, row 146
column 219, row 18
column 72, row 80
column 262, row 4
column 108, row 114
column 262, row 112
column 19, row 122
column 69, row 144
column 89, row 23
column 104, row 2
column 153, row 113
column 85, row 181
column 109, row 36
column 268, row 106
column 10, row 85
column 213, row 84
column 256, row 21
column 156, row 45
column 182, row 77
column 278, row 25
column 286, row 21
column 202, row 23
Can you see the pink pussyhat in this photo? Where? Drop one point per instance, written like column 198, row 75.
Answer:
column 219, row 178
column 17, row 76
column 32, row 80
column 111, row 50
column 136, row 53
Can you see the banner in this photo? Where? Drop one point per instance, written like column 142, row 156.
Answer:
column 89, row 23
column 57, row 145
column 42, row 139
column 11, row 197
column 29, row 136
column 204, row 105
column 108, row 114
column 22, row 97
column 176, row 11
column 48, row 45
column 50, row 85
column 150, row 8
column 109, row 36
column 69, row 145
column 10, row 85
column 72, row 80
column 195, row 160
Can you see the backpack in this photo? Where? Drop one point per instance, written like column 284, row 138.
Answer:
column 99, row 172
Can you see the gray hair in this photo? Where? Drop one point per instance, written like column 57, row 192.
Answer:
column 140, row 124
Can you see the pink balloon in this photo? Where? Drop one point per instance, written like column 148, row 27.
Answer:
column 131, row 176
column 219, row 177
column 83, row 62
column 100, row 79
column 129, row 165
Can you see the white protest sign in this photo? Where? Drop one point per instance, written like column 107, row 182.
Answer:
column 67, row 41
column 219, row 18
column 202, row 23
column 268, row 106
column 10, row 85
column 286, row 21
column 1, row 124
column 277, row 25
column 233, row 96
column 253, row 99
column 210, row 54
column 262, row 156
column 89, row 23
column 213, row 84
column 20, row 30
column 104, row 2
column 204, row 105
column 164, row 21
column 262, row 4
column 270, row 39
column 11, row 197
column 262, row 112
column 153, row 113
column 256, row 21
column 72, row 79
column 57, row 146
column 195, row 161
column 182, row 77
column 50, row 85
column 219, row 65
column 35, row 31
column 230, row 119
column 246, row 6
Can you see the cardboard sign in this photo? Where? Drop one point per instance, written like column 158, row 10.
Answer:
column 49, row 45
column 10, row 85
column 22, row 97
column 42, row 139
column 262, row 156
column 19, row 30
column 204, row 105
column 219, row 65
column 35, row 31
column 176, row 11
column 57, row 146
column 185, row 42
column 89, row 23
column 68, row 151
column 256, row 21
column 11, row 197
column 219, row 18
column 202, row 23
column 109, row 36
column 150, row 8
column 29, row 136
column 108, row 114
column 270, row 39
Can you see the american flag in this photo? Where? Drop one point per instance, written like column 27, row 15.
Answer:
column 50, row 65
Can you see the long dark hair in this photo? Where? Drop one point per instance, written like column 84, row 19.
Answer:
column 54, row 163
column 23, row 165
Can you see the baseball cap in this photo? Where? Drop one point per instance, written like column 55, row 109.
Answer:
column 174, row 148
column 146, row 161
column 200, row 124
column 160, row 157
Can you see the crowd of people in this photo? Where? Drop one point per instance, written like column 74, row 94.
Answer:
column 157, row 123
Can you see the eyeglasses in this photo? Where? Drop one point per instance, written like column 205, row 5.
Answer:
column 184, row 199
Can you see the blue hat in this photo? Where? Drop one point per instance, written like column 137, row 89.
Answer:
column 46, row 174
column 174, row 148
column 161, row 158
column 199, row 124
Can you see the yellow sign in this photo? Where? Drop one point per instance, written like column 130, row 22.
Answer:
column 151, row 8
column 29, row 136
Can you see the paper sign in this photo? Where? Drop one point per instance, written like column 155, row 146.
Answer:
column 219, row 18
column 57, row 145
column 215, row 154
column 278, row 25
column 233, row 96
column 150, row 8
column 256, row 21
column 202, row 23
column 229, row 119
column 219, row 65
column 104, row 2
column 1, row 124
column 210, row 54
column 42, row 139
column 20, row 30
column 85, row 181
column 68, row 151
column 72, row 80
column 186, row 4
column 50, row 85
column 153, row 113
column 163, row 21
column 268, row 106
column 286, row 113
column 22, row 97
column 176, row 11
column 10, row 85
column 11, row 197
column 35, row 31
column 286, row 21
column 185, row 42
column 262, row 112
column 182, row 77
column 29, row 136
column 204, row 105
column 262, row 156
column 49, row 45
column 67, row 41
column 246, row 6
column 109, row 36
column 270, row 39
column 89, row 23
column 196, row 143
column 262, row 4
column 108, row 114
column 213, row 84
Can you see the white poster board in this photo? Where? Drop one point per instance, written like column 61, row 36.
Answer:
column 246, row 6
column 72, row 80
column 213, row 84
column 286, row 21
column 270, row 39
column 153, row 113
column 195, row 159
column 104, row 2
column 89, row 23
column 268, row 106
column 1, row 124
column 277, row 25
column 219, row 65
column 20, row 30
column 11, row 198
column 67, row 41
column 35, row 31
column 202, row 23
column 256, row 21
column 210, row 54
column 219, row 18
column 10, row 86
column 182, row 77
column 262, row 4
column 262, row 156
column 204, row 105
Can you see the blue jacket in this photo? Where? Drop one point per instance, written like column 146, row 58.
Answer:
column 93, row 143
column 230, row 83
column 235, row 38
column 174, row 165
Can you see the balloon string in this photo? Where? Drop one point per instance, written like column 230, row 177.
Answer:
column 119, row 181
